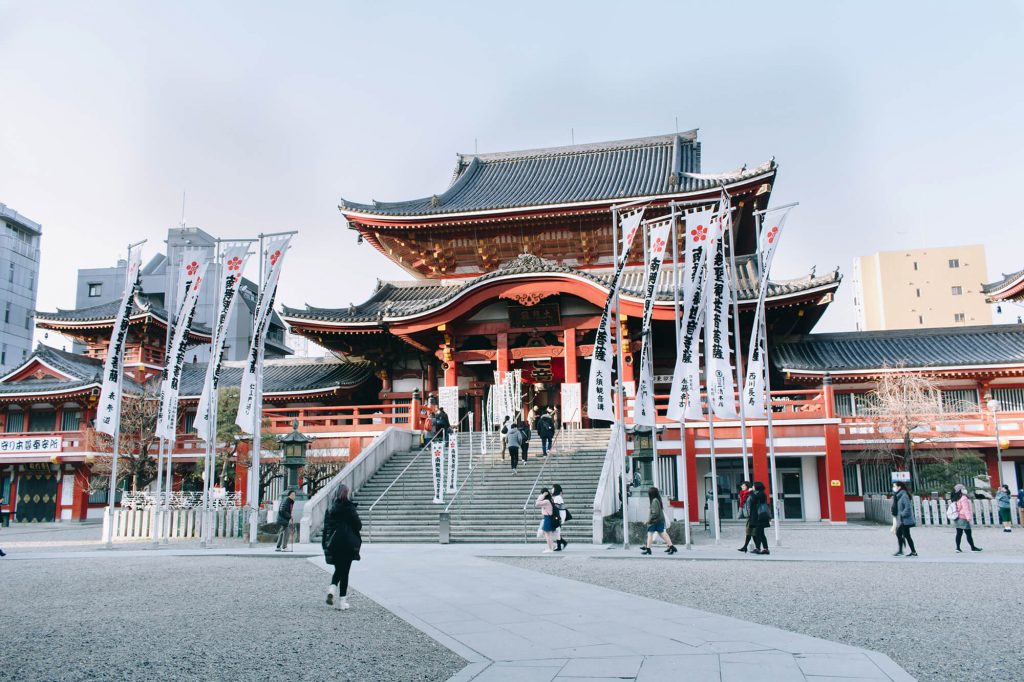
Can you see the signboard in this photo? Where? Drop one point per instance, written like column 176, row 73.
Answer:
column 900, row 477
column 437, row 469
column 572, row 399
column 31, row 445
column 452, row 465
column 448, row 398
column 540, row 315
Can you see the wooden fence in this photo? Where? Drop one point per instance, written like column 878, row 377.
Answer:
column 180, row 524
column 931, row 511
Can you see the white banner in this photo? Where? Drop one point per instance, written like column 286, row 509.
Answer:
column 599, row 387
column 720, row 384
column 572, row 397
column 108, row 408
column 170, row 387
column 233, row 262
column 684, row 396
column 644, row 412
column 437, row 469
column 252, row 375
column 448, row 399
column 754, row 398
column 452, row 465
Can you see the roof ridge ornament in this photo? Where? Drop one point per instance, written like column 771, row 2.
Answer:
column 527, row 260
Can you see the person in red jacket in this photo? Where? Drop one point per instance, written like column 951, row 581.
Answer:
column 745, row 512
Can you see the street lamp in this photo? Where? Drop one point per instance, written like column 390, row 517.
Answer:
column 293, row 446
column 993, row 406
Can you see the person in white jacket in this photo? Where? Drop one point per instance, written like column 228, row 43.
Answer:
column 556, row 495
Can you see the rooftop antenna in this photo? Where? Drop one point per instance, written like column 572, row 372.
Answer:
column 572, row 135
column 475, row 149
column 182, row 208
column 677, row 124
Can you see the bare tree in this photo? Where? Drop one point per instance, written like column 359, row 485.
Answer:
column 138, row 436
column 229, row 435
column 319, row 469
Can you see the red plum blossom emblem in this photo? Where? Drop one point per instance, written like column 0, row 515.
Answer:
column 658, row 245
column 274, row 256
column 699, row 233
column 192, row 268
column 235, row 264
column 773, row 234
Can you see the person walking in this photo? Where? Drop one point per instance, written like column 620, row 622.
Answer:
column 760, row 518
column 964, row 514
column 1003, row 503
column 656, row 523
column 1020, row 505
column 531, row 417
column 546, row 431
column 547, row 510
column 284, row 520
column 903, row 517
column 341, row 544
column 504, row 436
column 563, row 516
column 514, row 440
column 527, row 435
column 554, row 417
column 745, row 514
column 442, row 425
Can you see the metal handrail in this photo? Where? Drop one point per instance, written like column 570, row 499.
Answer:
column 526, row 505
column 426, row 446
column 474, row 461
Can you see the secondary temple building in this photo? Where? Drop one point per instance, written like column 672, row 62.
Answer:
column 508, row 270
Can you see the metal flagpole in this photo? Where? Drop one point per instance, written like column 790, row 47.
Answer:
column 681, row 478
column 711, row 415
column 210, row 449
column 619, row 391
column 158, row 507
column 257, row 443
column 738, row 345
column 647, row 358
column 763, row 332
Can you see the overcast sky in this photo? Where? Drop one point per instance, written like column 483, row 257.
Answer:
column 895, row 125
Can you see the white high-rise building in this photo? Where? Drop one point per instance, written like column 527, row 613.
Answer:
column 19, row 285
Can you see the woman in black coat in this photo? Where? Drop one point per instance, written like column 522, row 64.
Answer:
column 341, row 544
column 759, row 519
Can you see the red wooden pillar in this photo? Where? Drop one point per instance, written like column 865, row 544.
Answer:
column 690, row 438
column 571, row 373
column 414, row 411
column 451, row 373
column 992, row 464
column 80, row 497
column 627, row 352
column 355, row 446
column 501, row 356
column 759, row 452
column 822, row 486
column 833, row 458
column 242, row 471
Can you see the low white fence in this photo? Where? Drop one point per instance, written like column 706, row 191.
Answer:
column 180, row 524
column 180, row 500
column 606, row 500
column 930, row 511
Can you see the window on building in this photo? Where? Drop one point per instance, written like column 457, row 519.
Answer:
column 3, row 354
column 31, row 280
column 1010, row 399
column 71, row 418
column 98, row 489
column 28, row 320
column 851, row 476
column 915, row 265
column 959, row 400
column 954, row 262
column 190, row 421
column 958, row 291
column 959, row 317
column 920, row 319
column 42, row 419
column 10, row 273
column 918, row 293
column 5, row 488
column 844, row 404
column 15, row 420
column 95, row 290
column 7, row 311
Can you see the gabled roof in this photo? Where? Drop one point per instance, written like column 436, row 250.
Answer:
column 606, row 171
column 1011, row 286
column 79, row 372
column 284, row 376
column 105, row 313
column 902, row 348
column 394, row 300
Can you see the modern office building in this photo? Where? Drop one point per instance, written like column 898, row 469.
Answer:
column 921, row 288
column 101, row 286
column 19, row 281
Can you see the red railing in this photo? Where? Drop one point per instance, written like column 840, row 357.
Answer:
column 337, row 418
column 806, row 404
column 968, row 429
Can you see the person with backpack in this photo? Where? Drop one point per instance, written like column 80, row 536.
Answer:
column 760, row 518
column 284, row 520
column 546, row 431
column 524, row 428
column 341, row 544
column 745, row 514
column 656, row 523
column 442, row 426
column 504, row 436
column 548, row 523
column 962, row 511
column 903, row 517
column 1003, row 503
column 515, row 440
column 563, row 516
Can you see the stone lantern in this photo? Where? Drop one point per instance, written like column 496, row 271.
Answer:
column 293, row 447
column 642, row 458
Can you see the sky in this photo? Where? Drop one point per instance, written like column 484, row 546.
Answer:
column 895, row 125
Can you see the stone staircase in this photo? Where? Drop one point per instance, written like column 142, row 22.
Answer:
column 489, row 506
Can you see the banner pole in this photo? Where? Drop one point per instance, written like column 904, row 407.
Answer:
column 763, row 334
column 711, row 417
column 682, row 482
column 738, row 345
column 108, row 523
column 648, row 363
column 257, row 442
column 619, row 391
column 170, row 287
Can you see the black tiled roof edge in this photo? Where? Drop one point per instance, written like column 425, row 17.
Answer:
column 289, row 375
column 392, row 300
column 106, row 312
column 1002, row 283
column 607, row 171
column 910, row 348
column 83, row 370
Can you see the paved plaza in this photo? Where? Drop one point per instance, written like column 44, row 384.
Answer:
column 831, row 603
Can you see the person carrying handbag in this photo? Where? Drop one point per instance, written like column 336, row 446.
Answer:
column 341, row 544
column 760, row 518
column 903, row 517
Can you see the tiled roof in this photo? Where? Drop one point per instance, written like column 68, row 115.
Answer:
column 641, row 167
column 1008, row 280
column 82, row 371
column 291, row 375
column 911, row 348
column 106, row 312
column 394, row 300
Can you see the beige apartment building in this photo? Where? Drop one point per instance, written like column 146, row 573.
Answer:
column 921, row 288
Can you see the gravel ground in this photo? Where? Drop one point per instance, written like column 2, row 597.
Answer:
column 904, row 610
column 206, row 618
